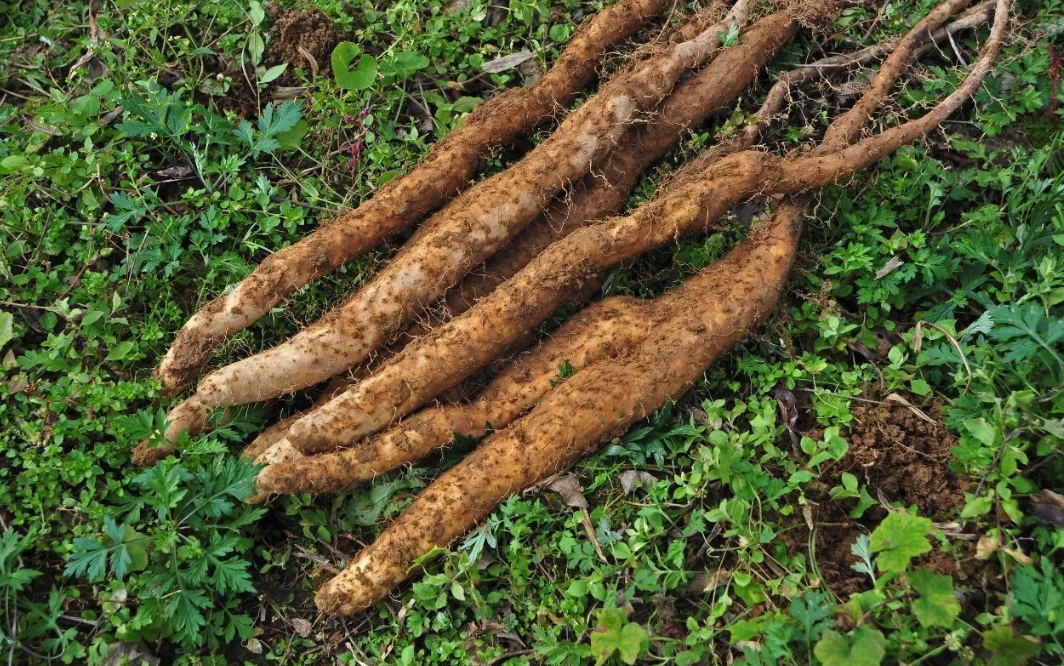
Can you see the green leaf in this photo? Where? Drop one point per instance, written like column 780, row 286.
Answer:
column 937, row 605
column 137, row 548
column 122, row 545
column 403, row 65
column 291, row 139
column 615, row 634
column 120, row 351
column 1037, row 597
column 13, row 163
column 256, row 13
column 866, row 647
column 273, row 72
column 920, row 387
column 256, row 48
column 1009, row 648
column 900, row 538
column 6, row 328
column 359, row 78
column 982, row 431
column 977, row 506
column 86, row 106
column 12, row 576
column 907, row 163
column 274, row 122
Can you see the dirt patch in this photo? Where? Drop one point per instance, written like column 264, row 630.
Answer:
column 899, row 456
column 906, row 458
column 303, row 39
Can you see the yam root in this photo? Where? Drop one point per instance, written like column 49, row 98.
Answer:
column 462, row 234
column 694, row 200
column 429, row 429
column 604, row 191
column 448, row 168
column 731, row 297
column 600, row 331
column 708, row 314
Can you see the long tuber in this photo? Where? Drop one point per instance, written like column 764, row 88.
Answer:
column 402, row 202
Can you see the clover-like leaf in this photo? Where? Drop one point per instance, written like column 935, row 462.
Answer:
column 1009, row 648
column 615, row 633
column 865, row 647
column 900, row 538
column 937, row 605
column 364, row 73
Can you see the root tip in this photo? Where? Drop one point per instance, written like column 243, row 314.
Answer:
column 146, row 455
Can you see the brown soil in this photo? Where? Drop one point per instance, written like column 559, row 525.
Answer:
column 904, row 458
column 296, row 34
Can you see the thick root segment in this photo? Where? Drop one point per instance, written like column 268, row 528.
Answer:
column 705, row 320
column 448, row 167
column 707, row 315
column 599, row 194
column 603, row 330
column 602, row 192
column 428, row 365
column 464, row 233
column 699, row 194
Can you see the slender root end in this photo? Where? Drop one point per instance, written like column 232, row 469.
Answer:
column 190, row 351
column 145, row 454
column 336, row 602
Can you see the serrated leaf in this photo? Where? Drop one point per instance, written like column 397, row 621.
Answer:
column 1009, row 648
column 614, row 634
column 122, row 546
column 898, row 539
column 231, row 575
column 866, row 647
column 245, row 132
column 135, row 129
column 937, row 605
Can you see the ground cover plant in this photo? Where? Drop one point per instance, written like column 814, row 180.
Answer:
column 870, row 476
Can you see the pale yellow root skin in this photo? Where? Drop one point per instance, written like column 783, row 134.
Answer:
column 603, row 330
column 464, row 233
column 450, row 166
column 574, row 418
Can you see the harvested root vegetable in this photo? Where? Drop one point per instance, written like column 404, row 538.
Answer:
column 706, row 317
column 711, row 312
column 604, row 192
column 600, row 331
column 448, row 167
column 698, row 195
column 461, row 235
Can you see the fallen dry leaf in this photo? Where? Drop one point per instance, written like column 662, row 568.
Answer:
column 635, row 479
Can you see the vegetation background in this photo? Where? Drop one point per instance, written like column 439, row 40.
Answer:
column 868, row 480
